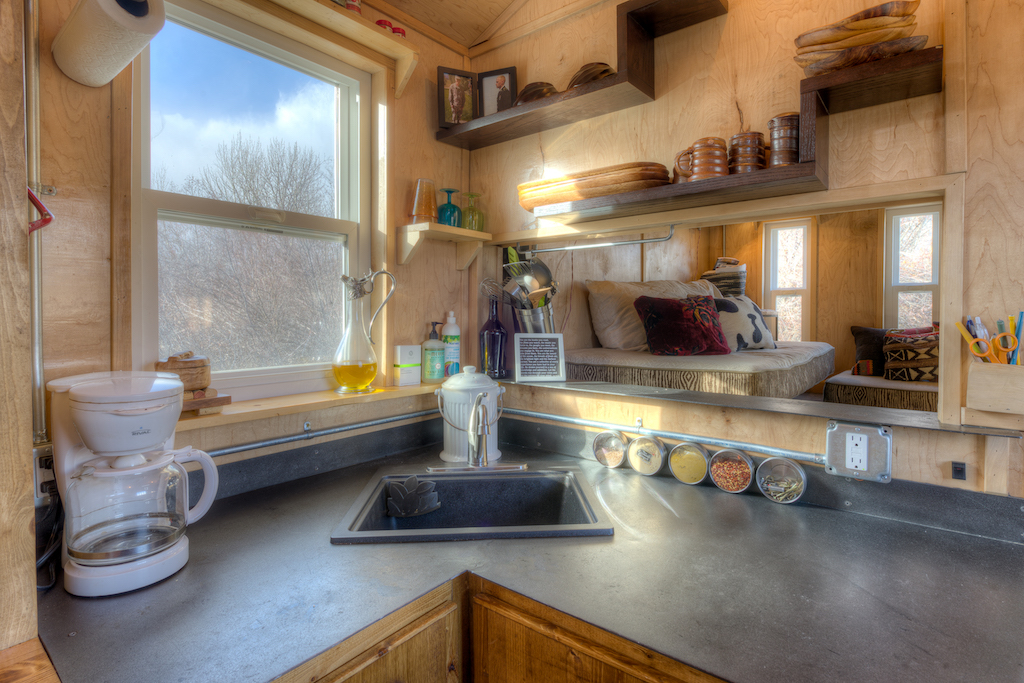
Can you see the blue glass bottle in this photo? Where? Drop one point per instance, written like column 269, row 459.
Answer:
column 449, row 214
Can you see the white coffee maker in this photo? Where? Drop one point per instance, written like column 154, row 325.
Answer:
column 124, row 489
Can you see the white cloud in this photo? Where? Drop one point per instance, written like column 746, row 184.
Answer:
column 184, row 144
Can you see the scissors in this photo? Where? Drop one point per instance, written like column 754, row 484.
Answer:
column 993, row 349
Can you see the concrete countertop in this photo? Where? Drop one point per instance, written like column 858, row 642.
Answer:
column 736, row 585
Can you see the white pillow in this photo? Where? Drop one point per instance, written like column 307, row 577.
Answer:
column 742, row 324
column 617, row 324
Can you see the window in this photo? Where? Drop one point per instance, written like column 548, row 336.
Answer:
column 789, row 248
column 254, row 167
column 911, row 285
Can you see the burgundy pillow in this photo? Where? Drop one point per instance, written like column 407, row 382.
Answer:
column 681, row 327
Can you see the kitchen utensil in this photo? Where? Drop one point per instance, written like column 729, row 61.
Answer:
column 522, row 273
column 535, row 91
column 535, row 320
column 538, row 296
column 490, row 288
column 865, row 53
column 355, row 363
column 124, row 491
column 520, row 298
column 588, row 73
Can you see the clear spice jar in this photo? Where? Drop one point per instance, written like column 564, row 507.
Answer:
column 688, row 463
column 610, row 448
column 781, row 480
column 731, row 470
column 646, row 455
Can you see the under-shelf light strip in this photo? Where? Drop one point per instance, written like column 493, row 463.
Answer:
column 816, row 458
column 529, row 253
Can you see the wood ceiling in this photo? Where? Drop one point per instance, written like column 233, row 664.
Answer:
column 466, row 22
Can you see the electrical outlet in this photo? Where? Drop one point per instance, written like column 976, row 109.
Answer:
column 857, row 452
column 42, row 458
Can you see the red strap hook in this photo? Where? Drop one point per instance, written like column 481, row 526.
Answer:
column 47, row 217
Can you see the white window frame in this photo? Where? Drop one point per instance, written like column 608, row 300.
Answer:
column 148, row 203
column 891, row 287
column 808, row 327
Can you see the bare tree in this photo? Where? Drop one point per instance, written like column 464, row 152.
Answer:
column 246, row 298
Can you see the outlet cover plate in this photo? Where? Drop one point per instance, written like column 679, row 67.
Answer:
column 879, row 451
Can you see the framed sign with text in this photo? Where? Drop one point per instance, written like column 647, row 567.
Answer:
column 539, row 358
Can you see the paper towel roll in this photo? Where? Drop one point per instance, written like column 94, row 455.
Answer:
column 102, row 37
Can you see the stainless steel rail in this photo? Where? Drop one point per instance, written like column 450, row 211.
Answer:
column 817, row 458
column 528, row 253
column 311, row 434
column 35, row 238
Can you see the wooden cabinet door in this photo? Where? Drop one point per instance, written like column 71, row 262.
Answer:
column 512, row 645
column 421, row 652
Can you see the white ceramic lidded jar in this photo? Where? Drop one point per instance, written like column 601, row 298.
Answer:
column 455, row 399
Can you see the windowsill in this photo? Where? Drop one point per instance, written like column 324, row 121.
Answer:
column 258, row 409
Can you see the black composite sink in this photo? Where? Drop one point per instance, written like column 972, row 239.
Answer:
column 478, row 505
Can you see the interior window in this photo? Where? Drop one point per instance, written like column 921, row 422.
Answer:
column 911, row 286
column 789, row 277
column 252, row 177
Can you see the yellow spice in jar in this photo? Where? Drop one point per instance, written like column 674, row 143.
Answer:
column 688, row 465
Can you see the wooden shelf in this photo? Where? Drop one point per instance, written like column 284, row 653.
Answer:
column 887, row 80
column 911, row 74
column 771, row 182
column 468, row 242
column 639, row 22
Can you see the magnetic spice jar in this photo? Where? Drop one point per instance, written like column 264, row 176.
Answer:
column 688, row 463
column 781, row 480
column 731, row 470
column 646, row 455
column 610, row 448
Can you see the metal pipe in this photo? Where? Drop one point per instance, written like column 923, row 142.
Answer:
column 39, row 433
column 530, row 252
column 816, row 458
column 305, row 436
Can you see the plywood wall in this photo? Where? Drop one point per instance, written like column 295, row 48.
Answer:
column 17, row 519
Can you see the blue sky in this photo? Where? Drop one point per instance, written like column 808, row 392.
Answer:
column 204, row 92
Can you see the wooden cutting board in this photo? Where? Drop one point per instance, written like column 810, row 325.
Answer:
column 633, row 165
column 865, row 53
column 596, row 181
column 573, row 194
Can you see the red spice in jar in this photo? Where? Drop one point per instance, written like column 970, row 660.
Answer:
column 398, row 31
column 730, row 475
column 384, row 23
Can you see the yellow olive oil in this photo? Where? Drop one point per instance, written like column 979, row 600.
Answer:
column 354, row 377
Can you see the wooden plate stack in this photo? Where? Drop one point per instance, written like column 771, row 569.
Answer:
column 876, row 33
column 599, row 182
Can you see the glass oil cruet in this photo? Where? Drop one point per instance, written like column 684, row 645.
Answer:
column 355, row 364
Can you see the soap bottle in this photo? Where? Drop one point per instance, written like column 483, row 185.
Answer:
column 433, row 357
column 450, row 334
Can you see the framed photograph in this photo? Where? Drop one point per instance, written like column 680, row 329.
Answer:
column 497, row 90
column 456, row 97
column 539, row 358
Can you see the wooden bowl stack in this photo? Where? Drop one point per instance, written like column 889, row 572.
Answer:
column 747, row 153
column 875, row 33
column 599, row 182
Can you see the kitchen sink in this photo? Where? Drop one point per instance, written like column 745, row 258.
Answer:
column 478, row 505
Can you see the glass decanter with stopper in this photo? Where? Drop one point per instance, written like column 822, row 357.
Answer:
column 355, row 364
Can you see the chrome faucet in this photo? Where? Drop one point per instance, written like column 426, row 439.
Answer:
column 478, row 429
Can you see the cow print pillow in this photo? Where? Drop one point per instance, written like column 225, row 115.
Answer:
column 742, row 324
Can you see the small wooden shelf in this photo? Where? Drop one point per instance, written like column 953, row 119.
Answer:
column 911, row 74
column 468, row 242
column 639, row 22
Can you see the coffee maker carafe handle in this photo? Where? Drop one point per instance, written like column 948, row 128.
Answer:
column 212, row 479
